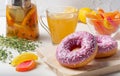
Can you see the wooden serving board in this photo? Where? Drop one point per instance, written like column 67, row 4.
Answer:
column 97, row 67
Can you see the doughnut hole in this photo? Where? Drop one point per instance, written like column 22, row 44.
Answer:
column 73, row 44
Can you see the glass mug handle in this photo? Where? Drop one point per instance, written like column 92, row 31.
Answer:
column 45, row 27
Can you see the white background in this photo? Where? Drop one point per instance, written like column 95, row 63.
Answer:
column 42, row 4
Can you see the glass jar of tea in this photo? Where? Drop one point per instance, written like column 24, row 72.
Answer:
column 22, row 21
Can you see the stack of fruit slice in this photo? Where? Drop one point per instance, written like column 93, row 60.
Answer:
column 25, row 61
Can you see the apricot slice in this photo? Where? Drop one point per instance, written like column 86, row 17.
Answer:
column 10, row 20
column 31, row 18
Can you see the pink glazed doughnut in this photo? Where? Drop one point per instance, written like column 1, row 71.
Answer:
column 107, row 46
column 77, row 50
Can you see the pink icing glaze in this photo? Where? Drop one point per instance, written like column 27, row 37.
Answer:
column 105, row 43
column 86, row 43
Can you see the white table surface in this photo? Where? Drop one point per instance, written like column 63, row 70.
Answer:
column 42, row 69
column 8, row 70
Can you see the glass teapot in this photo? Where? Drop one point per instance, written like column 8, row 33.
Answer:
column 22, row 21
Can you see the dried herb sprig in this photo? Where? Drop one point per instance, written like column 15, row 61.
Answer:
column 20, row 45
column 5, row 55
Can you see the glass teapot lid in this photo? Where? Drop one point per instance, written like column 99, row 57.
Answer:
column 25, row 3
column 17, row 2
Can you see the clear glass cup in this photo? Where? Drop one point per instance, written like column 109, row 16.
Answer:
column 22, row 20
column 62, row 21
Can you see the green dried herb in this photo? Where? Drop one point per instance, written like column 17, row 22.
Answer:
column 5, row 54
column 20, row 45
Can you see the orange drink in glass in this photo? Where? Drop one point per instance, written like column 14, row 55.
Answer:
column 61, row 22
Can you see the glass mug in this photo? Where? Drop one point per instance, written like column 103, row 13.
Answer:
column 62, row 21
column 22, row 21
